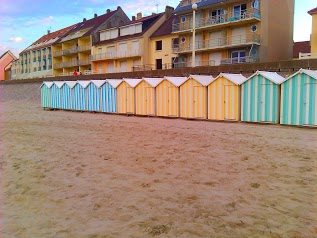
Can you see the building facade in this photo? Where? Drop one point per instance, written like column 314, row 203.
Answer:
column 73, row 51
column 313, row 39
column 234, row 31
column 6, row 60
column 126, row 48
column 36, row 60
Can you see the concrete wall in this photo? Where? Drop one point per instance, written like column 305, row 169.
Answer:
column 21, row 91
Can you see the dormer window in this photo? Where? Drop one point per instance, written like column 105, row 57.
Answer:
column 183, row 19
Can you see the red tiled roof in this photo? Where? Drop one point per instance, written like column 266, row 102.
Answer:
column 312, row 11
column 302, row 46
column 48, row 37
column 144, row 19
column 165, row 28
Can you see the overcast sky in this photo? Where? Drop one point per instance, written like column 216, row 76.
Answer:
column 24, row 21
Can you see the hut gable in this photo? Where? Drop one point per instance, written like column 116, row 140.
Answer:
column 114, row 82
column 71, row 84
column 204, row 80
column 272, row 76
column 153, row 81
column 48, row 84
column 237, row 79
column 311, row 73
column 84, row 83
column 59, row 84
column 98, row 83
column 132, row 82
column 176, row 81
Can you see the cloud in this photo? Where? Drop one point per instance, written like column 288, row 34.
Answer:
column 16, row 39
column 40, row 21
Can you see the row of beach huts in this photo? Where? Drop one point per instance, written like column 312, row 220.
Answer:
column 264, row 97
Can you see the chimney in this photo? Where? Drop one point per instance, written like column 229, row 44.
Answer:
column 95, row 15
column 153, row 13
column 84, row 19
column 48, row 32
column 108, row 11
column 168, row 12
column 139, row 16
column 133, row 18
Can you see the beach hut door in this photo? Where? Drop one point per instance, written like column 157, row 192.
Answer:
column 229, row 102
column 129, row 100
column 170, row 101
column 310, row 104
column 266, row 114
column 198, row 102
column 149, row 100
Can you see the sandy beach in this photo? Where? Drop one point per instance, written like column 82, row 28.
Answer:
column 72, row 174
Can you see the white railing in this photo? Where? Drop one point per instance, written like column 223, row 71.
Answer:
column 119, row 54
column 240, row 60
column 307, row 55
column 216, row 20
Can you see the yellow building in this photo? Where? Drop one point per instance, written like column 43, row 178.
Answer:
column 73, row 51
column 161, row 45
column 313, row 39
column 234, row 31
column 126, row 48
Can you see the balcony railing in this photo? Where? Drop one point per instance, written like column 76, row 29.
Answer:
column 58, row 53
column 84, row 62
column 34, row 59
column 38, row 57
column 44, row 56
column 34, row 69
column 39, row 68
column 115, row 55
column 58, row 65
column 72, row 63
column 176, row 65
column 239, row 60
column 50, row 67
column 49, row 55
column 84, row 48
column 72, row 50
column 307, row 55
column 218, row 43
column 217, row 20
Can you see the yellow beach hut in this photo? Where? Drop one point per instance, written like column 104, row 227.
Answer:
column 145, row 96
column 126, row 95
column 167, row 96
column 193, row 96
column 224, row 97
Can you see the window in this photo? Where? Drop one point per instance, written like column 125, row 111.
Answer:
column 183, row 19
column 158, row 63
column 256, row 4
column 217, row 15
column 159, row 45
column 183, row 39
column 253, row 28
column 238, row 56
column 240, row 11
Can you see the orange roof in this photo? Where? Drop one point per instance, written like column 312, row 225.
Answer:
column 312, row 11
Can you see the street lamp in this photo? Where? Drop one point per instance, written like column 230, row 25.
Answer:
column 194, row 7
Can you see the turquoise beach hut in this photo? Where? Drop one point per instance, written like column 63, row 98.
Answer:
column 94, row 95
column 109, row 95
column 57, row 94
column 260, row 97
column 81, row 95
column 46, row 94
column 298, row 99
column 68, row 95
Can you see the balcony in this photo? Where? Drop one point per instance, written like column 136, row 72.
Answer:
column 34, row 69
column 25, row 61
column 49, row 67
column 116, row 55
column 82, row 48
column 58, row 65
column 38, row 57
column 176, row 65
column 49, row 55
column 44, row 56
column 224, row 42
column 34, row 59
column 39, row 68
column 220, row 20
column 58, row 53
column 72, row 50
column 307, row 55
column 84, row 62
column 240, row 60
column 72, row 63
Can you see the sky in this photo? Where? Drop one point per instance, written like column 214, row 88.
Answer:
column 24, row 21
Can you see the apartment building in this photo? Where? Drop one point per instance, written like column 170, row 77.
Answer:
column 36, row 60
column 313, row 39
column 161, row 44
column 126, row 47
column 73, row 51
column 234, row 31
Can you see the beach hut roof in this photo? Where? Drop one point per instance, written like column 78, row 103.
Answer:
column 272, row 76
column 132, row 82
column 84, row 83
column 311, row 73
column 114, row 82
column 71, row 84
column 59, row 84
column 48, row 84
column 237, row 79
column 176, row 81
column 98, row 83
column 153, row 81
column 204, row 80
